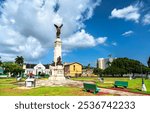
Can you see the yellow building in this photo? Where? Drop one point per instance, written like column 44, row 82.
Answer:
column 73, row 69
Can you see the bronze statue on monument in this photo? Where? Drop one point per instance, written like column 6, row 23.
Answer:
column 59, row 62
column 58, row 28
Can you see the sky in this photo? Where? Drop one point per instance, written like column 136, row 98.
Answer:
column 91, row 29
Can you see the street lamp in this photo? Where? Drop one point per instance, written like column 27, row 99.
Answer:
column 143, row 84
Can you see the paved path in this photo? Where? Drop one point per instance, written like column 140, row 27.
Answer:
column 121, row 93
column 80, row 84
column 73, row 83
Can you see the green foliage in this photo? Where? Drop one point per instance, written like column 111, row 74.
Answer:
column 13, row 68
column 129, row 65
column 88, row 67
column 148, row 62
column 19, row 60
column 98, row 71
column 122, row 66
column 0, row 61
column 114, row 71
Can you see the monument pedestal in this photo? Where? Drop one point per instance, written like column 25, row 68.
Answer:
column 57, row 73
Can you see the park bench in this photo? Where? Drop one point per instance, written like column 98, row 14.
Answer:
column 121, row 83
column 91, row 87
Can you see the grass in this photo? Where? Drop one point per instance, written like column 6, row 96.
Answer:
column 134, row 85
column 8, row 87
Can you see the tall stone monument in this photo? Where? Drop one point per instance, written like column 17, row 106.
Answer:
column 57, row 68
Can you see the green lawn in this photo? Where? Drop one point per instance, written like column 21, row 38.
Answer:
column 8, row 87
column 134, row 85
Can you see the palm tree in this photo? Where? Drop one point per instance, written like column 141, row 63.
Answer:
column 19, row 60
column 148, row 62
column 109, row 60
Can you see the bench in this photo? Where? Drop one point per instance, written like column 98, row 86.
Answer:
column 91, row 87
column 121, row 83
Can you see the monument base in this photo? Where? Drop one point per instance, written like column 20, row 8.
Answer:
column 57, row 73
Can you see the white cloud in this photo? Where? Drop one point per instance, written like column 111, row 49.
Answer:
column 101, row 40
column 128, row 13
column 114, row 43
column 128, row 33
column 26, row 26
column 146, row 19
column 82, row 39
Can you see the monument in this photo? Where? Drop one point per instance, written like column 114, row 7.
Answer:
column 57, row 68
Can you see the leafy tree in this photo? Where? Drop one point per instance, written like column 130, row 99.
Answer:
column 88, row 66
column 19, row 60
column 122, row 66
column 12, row 68
column 0, row 61
column 130, row 65
column 109, row 62
column 98, row 71
column 114, row 71
column 148, row 62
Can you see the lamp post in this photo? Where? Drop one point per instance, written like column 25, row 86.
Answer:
column 143, row 84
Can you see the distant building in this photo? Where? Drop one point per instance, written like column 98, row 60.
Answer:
column 88, row 72
column 73, row 69
column 103, row 63
column 36, row 69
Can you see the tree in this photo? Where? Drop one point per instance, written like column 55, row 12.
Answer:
column 88, row 66
column 129, row 65
column 0, row 61
column 148, row 62
column 122, row 66
column 114, row 71
column 19, row 60
column 12, row 68
column 109, row 62
column 98, row 71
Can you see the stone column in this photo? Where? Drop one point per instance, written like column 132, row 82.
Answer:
column 57, row 49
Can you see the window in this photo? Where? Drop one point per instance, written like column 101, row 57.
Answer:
column 39, row 67
column 74, row 68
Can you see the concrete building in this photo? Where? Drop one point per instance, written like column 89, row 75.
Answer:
column 36, row 69
column 73, row 69
column 103, row 63
column 88, row 73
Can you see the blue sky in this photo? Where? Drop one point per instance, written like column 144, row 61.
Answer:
column 136, row 46
column 117, row 27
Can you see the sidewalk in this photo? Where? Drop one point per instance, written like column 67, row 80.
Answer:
column 120, row 93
